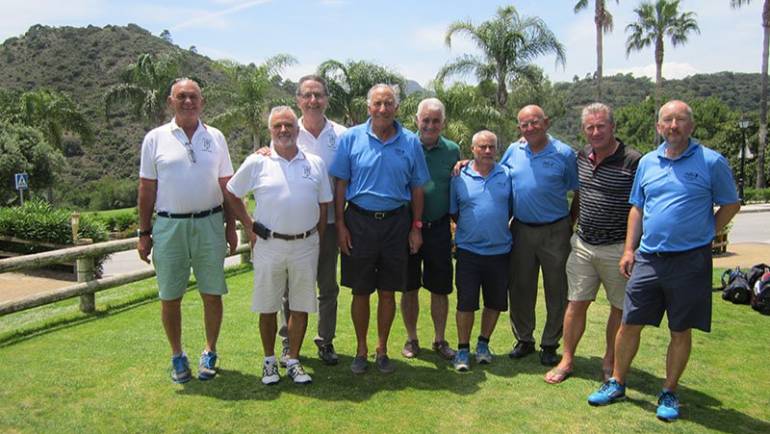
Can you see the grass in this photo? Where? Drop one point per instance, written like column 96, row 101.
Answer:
column 68, row 372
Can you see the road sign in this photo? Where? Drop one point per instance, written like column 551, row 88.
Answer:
column 22, row 181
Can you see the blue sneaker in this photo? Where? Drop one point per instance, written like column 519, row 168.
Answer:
column 610, row 392
column 207, row 368
column 668, row 406
column 180, row 369
column 483, row 355
column 462, row 360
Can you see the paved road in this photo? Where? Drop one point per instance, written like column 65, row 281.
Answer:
column 751, row 227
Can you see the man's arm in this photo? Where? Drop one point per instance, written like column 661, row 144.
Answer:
column 237, row 210
column 574, row 208
column 323, row 214
column 230, row 233
column 146, row 203
column 633, row 235
column 343, row 235
column 415, row 233
column 724, row 214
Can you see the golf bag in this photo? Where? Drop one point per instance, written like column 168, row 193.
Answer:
column 760, row 300
column 735, row 286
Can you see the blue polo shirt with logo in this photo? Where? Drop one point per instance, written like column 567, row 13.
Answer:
column 380, row 174
column 541, row 180
column 677, row 197
column 483, row 206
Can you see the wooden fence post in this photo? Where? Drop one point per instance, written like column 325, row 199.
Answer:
column 85, row 270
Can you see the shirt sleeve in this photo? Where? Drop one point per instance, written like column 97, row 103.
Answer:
column 453, row 195
column 225, row 164
column 420, row 175
column 570, row 174
column 722, row 183
column 637, row 194
column 147, row 168
column 244, row 179
column 340, row 167
column 325, row 192
column 507, row 156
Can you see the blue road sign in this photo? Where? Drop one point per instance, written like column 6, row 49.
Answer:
column 22, row 181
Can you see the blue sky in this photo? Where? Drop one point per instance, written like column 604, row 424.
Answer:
column 407, row 36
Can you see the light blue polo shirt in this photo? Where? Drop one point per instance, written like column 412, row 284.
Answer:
column 380, row 175
column 677, row 197
column 483, row 205
column 541, row 181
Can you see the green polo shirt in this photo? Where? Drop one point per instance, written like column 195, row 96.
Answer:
column 441, row 159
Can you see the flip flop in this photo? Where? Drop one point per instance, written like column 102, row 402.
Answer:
column 557, row 375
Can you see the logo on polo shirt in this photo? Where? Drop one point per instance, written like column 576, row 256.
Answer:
column 306, row 171
column 332, row 142
column 207, row 143
column 691, row 176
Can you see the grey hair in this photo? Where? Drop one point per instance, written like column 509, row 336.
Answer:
column 434, row 103
column 687, row 107
column 312, row 77
column 594, row 108
column 393, row 88
column 481, row 133
column 281, row 109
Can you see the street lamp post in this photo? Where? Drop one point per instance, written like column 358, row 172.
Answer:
column 743, row 124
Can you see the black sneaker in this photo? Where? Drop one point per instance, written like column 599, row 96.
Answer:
column 548, row 356
column 327, row 354
column 522, row 349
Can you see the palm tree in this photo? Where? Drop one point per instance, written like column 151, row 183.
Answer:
column 349, row 83
column 54, row 114
column 654, row 22
column 248, row 93
column 603, row 21
column 760, row 183
column 509, row 43
column 145, row 86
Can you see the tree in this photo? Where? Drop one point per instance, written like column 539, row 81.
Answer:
column 654, row 22
column 54, row 114
column 509, row 43
column 760, row 182
column 248, row 93
column 166, row 36
column 603, row 22
column 25, row 149
column 146, row 84
column 349, row 83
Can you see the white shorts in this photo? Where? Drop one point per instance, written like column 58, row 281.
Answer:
column 279, row 264
column 589, row 265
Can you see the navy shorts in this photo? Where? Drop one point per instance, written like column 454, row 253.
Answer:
column 485, row 274
column 678, row 284
column 431, row 267
column 378, row 259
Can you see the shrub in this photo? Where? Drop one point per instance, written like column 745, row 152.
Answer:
column 756, row 195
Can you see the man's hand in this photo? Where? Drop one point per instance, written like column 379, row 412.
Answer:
column 144, row 247
column 263, row 151
column 627, row 263
column 459, row 166
column 232, row 237
column 343, row 238
column 415, row 240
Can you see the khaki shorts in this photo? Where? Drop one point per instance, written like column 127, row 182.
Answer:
column 589, row 265
column 280, row 263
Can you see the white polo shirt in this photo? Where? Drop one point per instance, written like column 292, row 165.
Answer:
column 185, row 186
column 325, row 146
column 286, row 193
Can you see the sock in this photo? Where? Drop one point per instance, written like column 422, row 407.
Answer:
column 292, row 362
column 465, row 346
column 174, row 356
column 270, row 359
column 483, row 339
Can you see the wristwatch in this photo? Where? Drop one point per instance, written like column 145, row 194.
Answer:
column 417, row 224
column 141, row 233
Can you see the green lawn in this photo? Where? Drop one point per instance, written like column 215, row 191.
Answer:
column 66, row 372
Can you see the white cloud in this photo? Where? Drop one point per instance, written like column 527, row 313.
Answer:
column 671, row 70
column 216, row 19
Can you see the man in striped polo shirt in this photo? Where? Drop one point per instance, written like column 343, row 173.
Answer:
column 606, row 169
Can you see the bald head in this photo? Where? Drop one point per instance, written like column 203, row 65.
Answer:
column 533, row 125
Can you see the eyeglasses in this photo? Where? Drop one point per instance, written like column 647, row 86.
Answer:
column 190, row 152
column 525, row 125
column 311, row 95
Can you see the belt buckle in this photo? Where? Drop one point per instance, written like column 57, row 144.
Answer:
column 379, row 215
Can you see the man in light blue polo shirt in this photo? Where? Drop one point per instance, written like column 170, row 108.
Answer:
column 672, row 222
column 480, row 203
column 379, row 169
column 543, row 170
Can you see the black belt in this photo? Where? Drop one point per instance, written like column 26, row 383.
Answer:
column 430, row 224
column 195, row 215
column 293, row 237
column 537, row 225
column 681, row 252
column 377, row 215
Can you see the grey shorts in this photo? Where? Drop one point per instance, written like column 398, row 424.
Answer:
column 678, row 284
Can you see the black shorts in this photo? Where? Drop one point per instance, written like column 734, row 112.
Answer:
column 488, row 273
column 678, row 284
column 431, row 267
column 378, row 259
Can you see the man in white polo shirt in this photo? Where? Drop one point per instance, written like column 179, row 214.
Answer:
column 291, row 193
column 184, row 168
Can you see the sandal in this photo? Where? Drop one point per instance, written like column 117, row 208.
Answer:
column 557, row 375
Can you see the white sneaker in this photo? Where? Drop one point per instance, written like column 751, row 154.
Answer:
column 270, row 373
column 298, row 374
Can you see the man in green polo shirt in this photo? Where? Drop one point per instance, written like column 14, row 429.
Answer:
column 431, row 266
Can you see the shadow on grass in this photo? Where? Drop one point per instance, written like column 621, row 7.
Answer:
column 696, row 406
column 338, row 383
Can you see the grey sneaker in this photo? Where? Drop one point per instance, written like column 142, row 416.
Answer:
column 270, row 374
column 384, row 364
column 327, row 354
column 444, row 350
column 298, row 374
column 359, row 365
column 284, row 357
column 411, row 349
